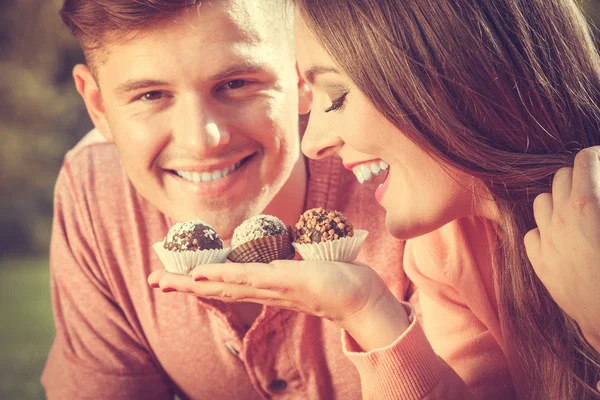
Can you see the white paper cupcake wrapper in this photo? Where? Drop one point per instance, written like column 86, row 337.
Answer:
column 344, row 250
column 184, row 262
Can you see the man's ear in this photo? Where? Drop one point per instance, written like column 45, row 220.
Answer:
column 90, row 92
column 304, row 94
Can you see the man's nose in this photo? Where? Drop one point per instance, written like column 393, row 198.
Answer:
column 319, row 142
column 199, row 130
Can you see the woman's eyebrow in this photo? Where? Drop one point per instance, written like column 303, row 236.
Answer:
column 311, row 73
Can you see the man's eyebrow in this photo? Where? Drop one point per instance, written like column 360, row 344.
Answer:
column 315, row 70
column 137, row 84
column 240, row 69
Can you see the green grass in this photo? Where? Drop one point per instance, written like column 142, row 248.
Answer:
column 26, row 328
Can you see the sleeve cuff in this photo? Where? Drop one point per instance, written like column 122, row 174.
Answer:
column 405, row 370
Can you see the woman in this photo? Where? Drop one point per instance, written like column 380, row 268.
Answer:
column 475, row 106
column 503, row 91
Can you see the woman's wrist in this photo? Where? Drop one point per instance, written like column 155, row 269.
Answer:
column 380, row 325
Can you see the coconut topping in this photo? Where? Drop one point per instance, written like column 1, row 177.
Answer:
column 192, row 236
column 257, row 227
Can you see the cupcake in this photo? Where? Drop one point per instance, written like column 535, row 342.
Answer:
column 189, row 244
column 262, row 239
column 327, row 235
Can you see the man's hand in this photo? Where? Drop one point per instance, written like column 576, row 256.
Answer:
column 565, row 248
column 351, row 295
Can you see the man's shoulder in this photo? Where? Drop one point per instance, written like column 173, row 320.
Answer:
column 92, row 171
column 93, row 147
column 93, row 160
column 93, row 189
column 92, row 138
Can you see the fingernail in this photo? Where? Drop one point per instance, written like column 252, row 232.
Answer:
column 168, row 289
column 200, row 278
column 154, row 285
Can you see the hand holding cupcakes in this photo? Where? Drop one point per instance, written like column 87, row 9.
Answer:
column 326, row 284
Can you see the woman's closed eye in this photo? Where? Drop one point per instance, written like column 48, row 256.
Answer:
column 337, row 104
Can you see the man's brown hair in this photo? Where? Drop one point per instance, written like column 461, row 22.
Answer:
column 96, row 23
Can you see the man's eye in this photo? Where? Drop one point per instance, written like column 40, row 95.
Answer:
column 236, row 84
column 151, row 96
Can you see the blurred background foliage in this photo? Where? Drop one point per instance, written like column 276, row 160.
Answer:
column 41, row 117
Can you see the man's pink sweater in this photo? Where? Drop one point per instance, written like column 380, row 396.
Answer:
column 116, row 338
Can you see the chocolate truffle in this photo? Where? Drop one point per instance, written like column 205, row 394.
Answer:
column 192, row 236
column 320, row 225
column 257, row 227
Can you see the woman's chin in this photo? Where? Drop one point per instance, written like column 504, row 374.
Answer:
column 404, row 229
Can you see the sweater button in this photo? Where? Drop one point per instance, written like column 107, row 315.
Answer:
column 232, row 349
column 278, row 385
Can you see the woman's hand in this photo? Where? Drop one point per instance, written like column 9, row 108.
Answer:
column 565, row 248
column 351, row 295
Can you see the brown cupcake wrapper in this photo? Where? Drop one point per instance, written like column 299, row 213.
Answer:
column 263, row 250
column 343, row 250
column 183, row 262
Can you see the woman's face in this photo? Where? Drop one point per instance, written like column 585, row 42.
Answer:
column 419, row 195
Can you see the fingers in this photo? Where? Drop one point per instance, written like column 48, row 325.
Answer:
column 586, row 175
column 561, row 186
column 542, row 210
column 168, row 281
column 275, row 276
column 155, row 277
column 229, row 292
column 532, row 247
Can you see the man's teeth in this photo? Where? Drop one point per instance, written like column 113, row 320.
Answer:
column 366, row 171
column 208, row 176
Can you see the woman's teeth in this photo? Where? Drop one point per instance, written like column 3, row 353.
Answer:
column 366, row 171
column 208, row 176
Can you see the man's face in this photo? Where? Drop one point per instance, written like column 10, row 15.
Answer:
column 204, row 111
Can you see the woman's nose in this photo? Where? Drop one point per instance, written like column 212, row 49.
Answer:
column 319, row 142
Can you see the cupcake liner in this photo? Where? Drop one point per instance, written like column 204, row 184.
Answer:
column 183, row 262
column 263, row 250
column 345, row 249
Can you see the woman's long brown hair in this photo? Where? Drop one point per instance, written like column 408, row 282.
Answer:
column 507, row 91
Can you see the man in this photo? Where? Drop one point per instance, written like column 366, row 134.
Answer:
column 196, row 109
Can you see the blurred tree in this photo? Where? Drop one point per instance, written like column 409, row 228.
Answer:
column 42, row 116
